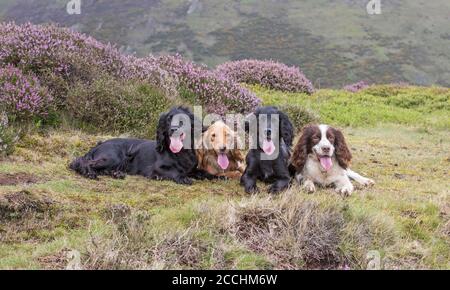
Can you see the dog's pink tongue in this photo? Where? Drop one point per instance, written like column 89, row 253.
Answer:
column 326, row 162
column 268, row 147
column 223, row 161
column 176, row 144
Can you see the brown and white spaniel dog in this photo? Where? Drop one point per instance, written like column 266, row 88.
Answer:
column 322, row 157
column 220, row 154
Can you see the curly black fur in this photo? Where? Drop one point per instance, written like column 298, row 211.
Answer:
column 152, row 159
column 274, row 171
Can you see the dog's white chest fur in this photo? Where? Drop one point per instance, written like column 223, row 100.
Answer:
column 314, row 171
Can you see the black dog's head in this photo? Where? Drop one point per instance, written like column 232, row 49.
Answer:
column 273, row 128
column 175, row 130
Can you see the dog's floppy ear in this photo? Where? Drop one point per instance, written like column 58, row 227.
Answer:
column 200, row 157
column 161, row 133
column 343, row 154
column 236, row 153
column 300, row 154
column 249, row 120
column 287, row 130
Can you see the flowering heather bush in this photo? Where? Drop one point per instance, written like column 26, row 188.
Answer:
column 149, row 70
column 356, row 87
column 38, row 48
column 22, row 96
column 217, row 92
column 117, row 106
column 271, row 74
column 61, row 58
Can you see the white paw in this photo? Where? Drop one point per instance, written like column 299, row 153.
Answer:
column 345, row 190
column 309, row 186
column 367, row 182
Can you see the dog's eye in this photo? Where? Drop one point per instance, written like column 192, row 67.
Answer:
column 213, row 136
column 181, row 123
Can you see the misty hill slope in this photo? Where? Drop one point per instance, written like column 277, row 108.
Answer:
column 334, row 43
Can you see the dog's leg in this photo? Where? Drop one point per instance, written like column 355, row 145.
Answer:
column 299, row 178
column 249, row 183
column 308, row 185
column 344, row 185
column 281, row 184
column 360, row 179
column 118, row 174
column 176, row 177
column 199, row 174
column 183, row 180
column 99, row 166
column 248, row 179
column 82, row 166
column 232, row 174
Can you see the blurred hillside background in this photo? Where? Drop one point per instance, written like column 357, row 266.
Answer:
column 333, row 42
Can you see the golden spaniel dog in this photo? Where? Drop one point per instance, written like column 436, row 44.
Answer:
column 220, row 154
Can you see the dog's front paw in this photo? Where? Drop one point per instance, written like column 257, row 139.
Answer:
column 367, row 182
column 345, row 190
column 184, row 181
column 92, row 176
column 274, row 189
column 118, row 175
column 252, row 190
column 309, row 186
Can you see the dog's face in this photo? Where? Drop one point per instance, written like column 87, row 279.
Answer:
column 220, row 139
column 175, row 130
column 324, row 142
column 273, row 127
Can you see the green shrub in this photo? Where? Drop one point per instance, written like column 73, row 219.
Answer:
column 388, row 90
column 299, row 115
column 122, row 107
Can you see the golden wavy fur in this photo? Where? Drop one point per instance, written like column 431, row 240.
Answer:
column 220, row 139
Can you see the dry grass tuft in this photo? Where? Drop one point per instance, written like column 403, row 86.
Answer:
column 20, row 204
column 132, row 245
column 125, row 246
column 180, row 250
column 290, row 231
column 117, row 212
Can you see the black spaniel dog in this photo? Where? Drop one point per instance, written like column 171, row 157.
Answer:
column 170, row 157
column 268, row 161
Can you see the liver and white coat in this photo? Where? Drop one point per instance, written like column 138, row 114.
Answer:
column 322, row 157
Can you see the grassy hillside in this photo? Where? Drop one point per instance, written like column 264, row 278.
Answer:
column 425, row 107
column 46, row 211
column 334, row 42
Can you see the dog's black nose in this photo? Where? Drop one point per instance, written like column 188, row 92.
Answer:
column 326, row 149
column 222, row 148
column 173, row 130
column 268, row 132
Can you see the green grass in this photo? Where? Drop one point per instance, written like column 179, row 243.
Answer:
column 425, row 107
column 401, row 140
